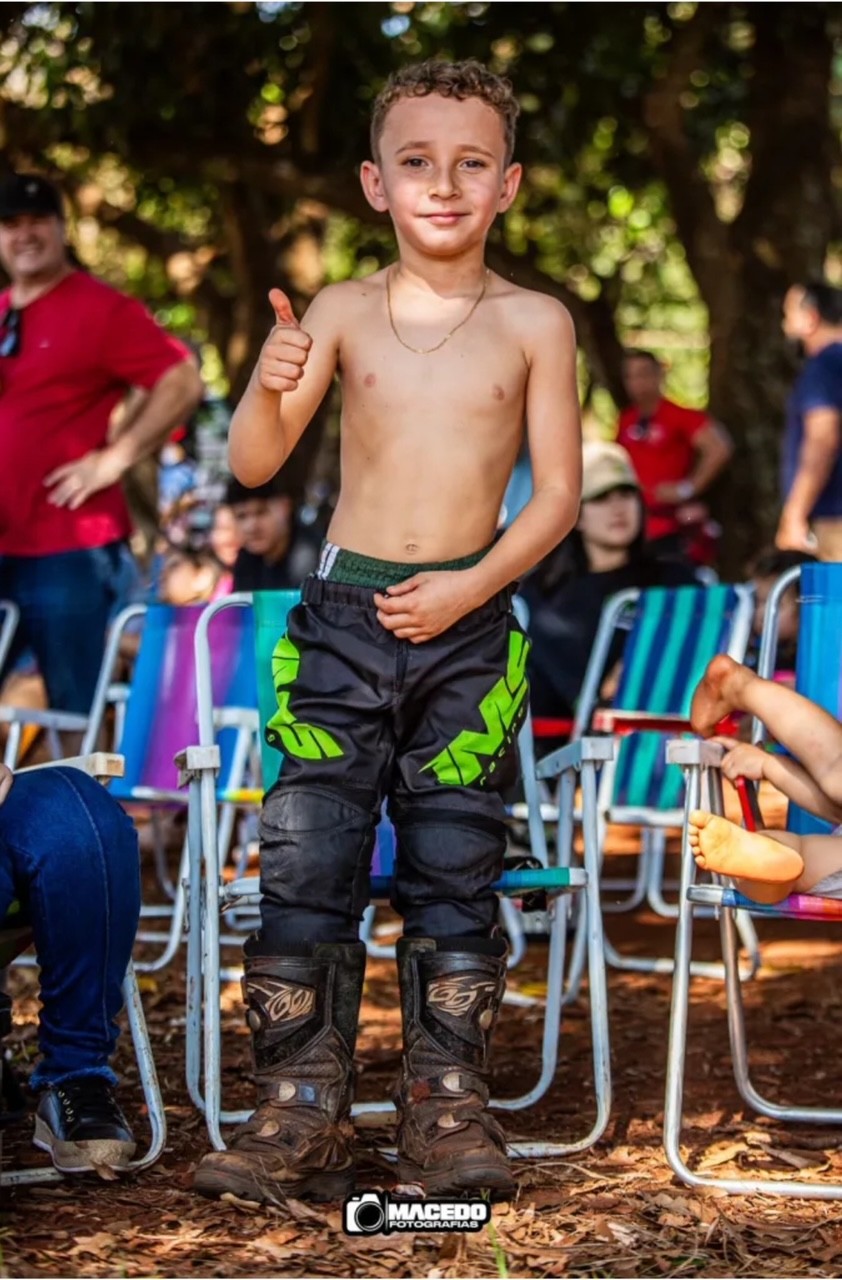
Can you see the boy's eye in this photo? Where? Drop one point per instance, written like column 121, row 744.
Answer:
column 474, row 164
column 413, row 162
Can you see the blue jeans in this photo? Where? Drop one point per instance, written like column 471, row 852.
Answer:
column 69, row 854
column 66, row 601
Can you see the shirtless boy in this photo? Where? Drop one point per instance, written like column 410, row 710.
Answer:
column 404, row 662
column 769, row 865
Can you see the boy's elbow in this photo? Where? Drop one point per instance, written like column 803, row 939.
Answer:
column 248, row 472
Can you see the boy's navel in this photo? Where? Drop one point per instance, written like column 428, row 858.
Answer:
column 498, row 393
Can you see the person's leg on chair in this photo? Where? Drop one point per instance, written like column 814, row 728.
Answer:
column 807, row 731
column 767, row 866
column 70, row 854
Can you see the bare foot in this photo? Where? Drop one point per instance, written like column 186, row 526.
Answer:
column 717, row 693
column 720, row 846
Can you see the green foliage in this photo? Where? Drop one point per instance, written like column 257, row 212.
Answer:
column 204, row 143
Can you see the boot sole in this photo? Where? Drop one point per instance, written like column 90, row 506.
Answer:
column 83, row 1157
column 317, row 1187
column 460, row 1180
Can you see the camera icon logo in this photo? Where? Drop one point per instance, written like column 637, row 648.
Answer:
column 365, row 1214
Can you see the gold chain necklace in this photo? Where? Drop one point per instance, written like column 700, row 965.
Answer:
column 428, row 351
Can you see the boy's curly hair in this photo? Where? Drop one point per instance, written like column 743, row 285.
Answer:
column 469, row 79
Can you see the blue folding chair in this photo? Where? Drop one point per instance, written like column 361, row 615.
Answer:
column 818, row 677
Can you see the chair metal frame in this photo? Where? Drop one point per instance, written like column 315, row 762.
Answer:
column 106, row 765
column 700, row 762
column 654, row 823
column 208, row 897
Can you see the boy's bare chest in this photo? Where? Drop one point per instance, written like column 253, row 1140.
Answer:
column 473, row 372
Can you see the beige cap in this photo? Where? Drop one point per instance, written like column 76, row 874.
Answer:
column 605, row 466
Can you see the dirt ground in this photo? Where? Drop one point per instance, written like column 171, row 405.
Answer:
column 616, row 1210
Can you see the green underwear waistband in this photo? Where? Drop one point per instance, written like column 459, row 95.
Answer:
column 354, row 570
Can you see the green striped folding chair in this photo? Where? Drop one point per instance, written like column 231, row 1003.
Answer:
column 672, row 635
column 818, row 677
column 558, row 880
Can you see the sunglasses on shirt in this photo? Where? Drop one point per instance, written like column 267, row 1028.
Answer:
column 11, row 329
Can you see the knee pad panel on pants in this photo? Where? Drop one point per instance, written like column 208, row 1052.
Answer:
column 315, row 850
column 445, row 869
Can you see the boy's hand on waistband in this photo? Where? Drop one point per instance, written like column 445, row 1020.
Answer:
column 426, row 605
column 285, row 351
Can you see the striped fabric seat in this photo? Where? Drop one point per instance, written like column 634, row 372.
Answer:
column 798, row 906
column 675, row 634
column 161, row 712
column 271, row 610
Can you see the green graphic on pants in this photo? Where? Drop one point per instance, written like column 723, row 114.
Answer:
column 471, row 756
column 284, row 731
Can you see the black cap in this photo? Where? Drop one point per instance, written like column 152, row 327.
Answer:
column 28, row 193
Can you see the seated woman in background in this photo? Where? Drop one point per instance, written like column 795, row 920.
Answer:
column 604, row 554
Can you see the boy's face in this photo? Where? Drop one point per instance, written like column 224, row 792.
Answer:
column 442, row 173
column 263, row 523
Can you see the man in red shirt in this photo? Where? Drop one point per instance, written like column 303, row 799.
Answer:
column 70, row 347
column 676, row 452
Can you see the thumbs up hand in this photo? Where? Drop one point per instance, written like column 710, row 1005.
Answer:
column 285, row 351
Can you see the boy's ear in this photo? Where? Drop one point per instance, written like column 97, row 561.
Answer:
column 372, row 184
column 511, row 183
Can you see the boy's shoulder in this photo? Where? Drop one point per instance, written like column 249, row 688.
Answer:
column 537, row 312
column 531, row 302
column 351, row 293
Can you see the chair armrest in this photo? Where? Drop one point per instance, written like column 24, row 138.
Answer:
column 97, row 764
column 192, row 762
column 695, row 751
column 45, row 719
column 574, row 755
column 607, row 720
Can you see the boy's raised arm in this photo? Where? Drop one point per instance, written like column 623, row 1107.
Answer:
column 554, row 433
column 287, row 386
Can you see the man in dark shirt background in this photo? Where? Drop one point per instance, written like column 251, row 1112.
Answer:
column 275, row 554
column 811, row 458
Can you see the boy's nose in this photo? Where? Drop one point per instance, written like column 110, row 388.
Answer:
column 443, row 185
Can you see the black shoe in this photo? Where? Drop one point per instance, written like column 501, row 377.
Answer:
column 81, row 1125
